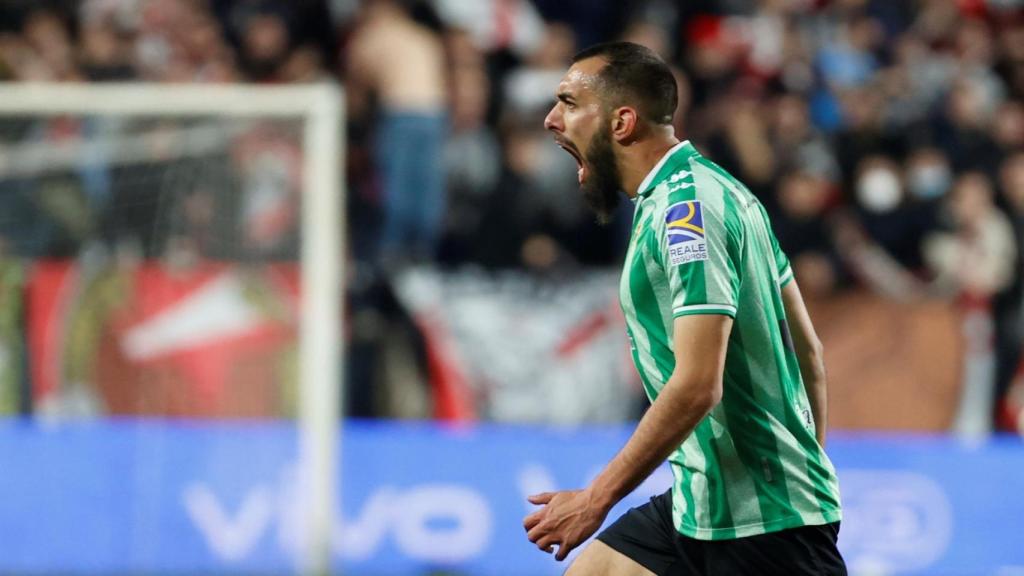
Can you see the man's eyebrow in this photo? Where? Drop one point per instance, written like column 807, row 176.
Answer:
column 565, row 97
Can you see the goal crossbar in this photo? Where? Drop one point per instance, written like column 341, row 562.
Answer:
column 137, row 99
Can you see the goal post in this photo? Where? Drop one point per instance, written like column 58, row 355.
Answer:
column 319, row 107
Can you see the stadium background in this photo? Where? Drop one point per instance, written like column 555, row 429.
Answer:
column 485, row 355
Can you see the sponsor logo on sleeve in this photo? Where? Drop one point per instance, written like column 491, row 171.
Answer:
column 684, row 231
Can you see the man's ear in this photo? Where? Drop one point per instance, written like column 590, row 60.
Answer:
column 624, row 124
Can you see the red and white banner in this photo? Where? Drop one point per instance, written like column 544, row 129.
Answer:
column 516, row 348
column 214, row 340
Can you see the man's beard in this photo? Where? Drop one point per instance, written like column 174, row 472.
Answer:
column 601, row 188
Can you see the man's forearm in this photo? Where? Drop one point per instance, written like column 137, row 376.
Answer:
column 812, row 371
column 817, row 395
column 810, row 355
column 671, row 418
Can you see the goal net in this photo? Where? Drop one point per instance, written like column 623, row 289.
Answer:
column 171, row 264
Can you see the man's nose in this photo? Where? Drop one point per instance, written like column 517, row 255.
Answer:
column 553, row 121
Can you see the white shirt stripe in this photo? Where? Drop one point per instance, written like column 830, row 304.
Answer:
column 702, row 307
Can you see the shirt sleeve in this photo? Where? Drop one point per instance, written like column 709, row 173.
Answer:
column 699, row 255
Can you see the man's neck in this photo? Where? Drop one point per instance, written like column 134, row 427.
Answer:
column 639, row 159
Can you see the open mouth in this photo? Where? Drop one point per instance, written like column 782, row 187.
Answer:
column 581, row 169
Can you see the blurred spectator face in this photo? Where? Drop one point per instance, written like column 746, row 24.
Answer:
column 103, row 53
column 304, row 65
column 797, row 71
column 967, row 106
column 791, row 119
column 928, row 174
column 557, row 48
column 45, row 32
column 971, row 200
column 865, row 34
column 539, row 252
column 266, row 37
column 265, row 43
column 15, row 57
column 910, row 49
column 202, row 40
column 802, row 196
column 579, row 125
column 974, row 43
column 878, row 185
column 1008, row 131
column 1011, row 177
column 715, row 50
column 816, row 274
column 862, row 108
column 650, row 35
column 522, row 149
column 1011, row 43
column 937, row 19
column 470, row 97
column 99, row 44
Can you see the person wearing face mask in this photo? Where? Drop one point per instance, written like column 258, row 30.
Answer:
column 880, row 239
column 887, row 214
column 929, row 176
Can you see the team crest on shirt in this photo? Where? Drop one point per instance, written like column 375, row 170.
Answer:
column 684, row 232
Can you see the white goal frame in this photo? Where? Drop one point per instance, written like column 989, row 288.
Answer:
column 320, row 107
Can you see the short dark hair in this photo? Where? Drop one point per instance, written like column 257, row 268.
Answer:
column 634, row 74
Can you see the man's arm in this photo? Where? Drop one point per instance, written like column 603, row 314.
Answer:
column 695, row 387
column 809, row 353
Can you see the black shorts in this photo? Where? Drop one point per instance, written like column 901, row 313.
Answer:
column 647, row 535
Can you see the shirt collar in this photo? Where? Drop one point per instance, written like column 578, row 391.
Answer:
column 651, row 179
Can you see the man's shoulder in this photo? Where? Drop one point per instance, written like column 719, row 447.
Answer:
column 697, row 180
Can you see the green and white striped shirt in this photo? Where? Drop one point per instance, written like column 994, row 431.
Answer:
column 702, row 244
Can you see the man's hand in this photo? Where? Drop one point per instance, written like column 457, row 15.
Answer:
column 567, row 519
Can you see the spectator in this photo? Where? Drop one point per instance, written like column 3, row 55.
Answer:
column 104, row 54
column 963, row 133
column 472, row 154
column 1007, row 306
column 266, row 44
column 864, row 133
column 401, row 61
column 887, row 214
column 974, row 262
column 976, row 259
column 1008, row 131
column 801, row 226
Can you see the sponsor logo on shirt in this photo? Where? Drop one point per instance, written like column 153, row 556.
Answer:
column 684, row 231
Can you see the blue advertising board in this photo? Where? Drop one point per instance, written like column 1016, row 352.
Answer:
column 178, row 497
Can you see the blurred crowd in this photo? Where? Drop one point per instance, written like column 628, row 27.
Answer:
column 885, row 138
